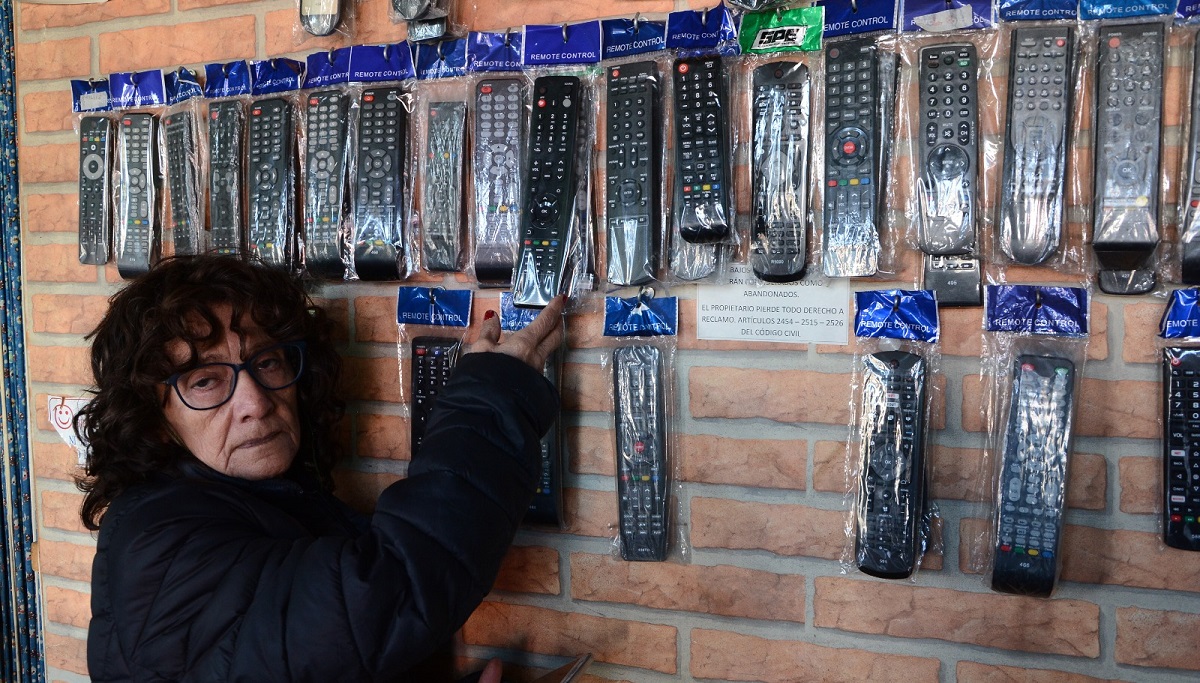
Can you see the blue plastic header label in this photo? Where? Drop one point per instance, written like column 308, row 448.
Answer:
column 327, row 68
column 625, row 37
column 490, row 51
column 939, row 16
column 1181, row 320
column 137, row 89
column 436, row 306
column 182, row 85
column 547, row 45
column 897, row 314
column 1121, row 9
column 230, row 79
column 90, row 96
column 1188, row 11
column 641, row 316
column 1037, row 10
column 445, row 59
column 1054, row 311
column 376, row 63
column 712, row 28
column 844, row 18
column 513, row 317
column 275, row 75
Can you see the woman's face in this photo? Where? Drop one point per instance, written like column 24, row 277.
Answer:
column 253, row 435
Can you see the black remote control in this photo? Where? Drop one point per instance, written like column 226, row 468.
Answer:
column 433, row 359
column 411, row 9
column 948, row 158
column 379, row 183
column 272, row 234
column 642, row 476
column 1189, row 237
column 183, row 197
column 1032, row 486
column 549, row 191
column 139, row 243
column 632, row 173
column 691, row 262
column 442, row 220
column 499, row 144
column 859, row 79
column 95, row 178
column 779, row 162
column 225, row 179
column 1181, row 448
column 325, row 182
column 547, row 506
column 1129, row 94
column 891, row 495
column 702, row 210
column 1035, row 145
column 320, row 17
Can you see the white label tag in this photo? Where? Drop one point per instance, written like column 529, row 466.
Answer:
column 62, row 411
column 93, row 101
column 781, row 36
column 744, row 308
column 948, row 20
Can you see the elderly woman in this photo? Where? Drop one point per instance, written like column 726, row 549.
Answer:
column 222, row 555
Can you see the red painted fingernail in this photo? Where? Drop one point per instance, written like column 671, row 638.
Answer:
column 489, row 315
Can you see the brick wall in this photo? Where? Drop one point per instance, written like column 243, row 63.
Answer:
column 762, row 454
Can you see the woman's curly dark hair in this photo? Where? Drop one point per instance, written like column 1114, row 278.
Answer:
column 124, row 423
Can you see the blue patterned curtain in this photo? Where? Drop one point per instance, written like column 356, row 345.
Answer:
column 20, row 626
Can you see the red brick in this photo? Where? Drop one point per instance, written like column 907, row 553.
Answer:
column 974, row 672
column 372, row 379
column 585, row 329
column 284, row 35
column 360, row 490
column 375, row 319
column 66, row 560
column 1161, row 639
column 338, row 311
column 780, row 395
column 55, row 460
column 67, row 58
column 65, row 652
column 545, row 631
column 51, row 213
column 56, row 163
column 1066, row 627
column 49, row 16
column 530, row 569
column 170, row 45
column 1141, row 485
column 66, row 606
column 185, row 5
column 47, row 112
column 829, row 466
column 382, row 436
column 372, row 23
column 593, row 450
column 586, row 388
column 67, row 313
column 591, row 513
column 719, row 590
column 764, row 463
column 737, row 657
column 60, row 364
column 61, row 510
column 792, row 530
column 56, row 263
column 1125, row 558
column 1113, row 408
column 958, row 474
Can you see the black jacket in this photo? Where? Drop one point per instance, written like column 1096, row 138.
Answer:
column 204, row 577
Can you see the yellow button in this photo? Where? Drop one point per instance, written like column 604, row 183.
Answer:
column 645, row 477
column 1031, row 551
column 706, row 188
column 854, row 181
column 1143, row 201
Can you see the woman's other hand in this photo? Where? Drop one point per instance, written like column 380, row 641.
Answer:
column 531, row 345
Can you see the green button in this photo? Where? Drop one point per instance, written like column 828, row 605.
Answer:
column 964, row 62
column 1189, row 520
column 1019, row 550
column 843, row 182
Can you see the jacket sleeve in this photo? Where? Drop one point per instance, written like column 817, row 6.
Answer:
column 201, row 593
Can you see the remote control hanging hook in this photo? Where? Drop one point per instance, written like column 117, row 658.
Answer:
column 854, row 6
column 387, row 48
column 329, row 55
column 441, row 57
column 564, row 32
column 637, row 22
column 507, row 36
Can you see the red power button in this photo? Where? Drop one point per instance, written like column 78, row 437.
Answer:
column 849, row 147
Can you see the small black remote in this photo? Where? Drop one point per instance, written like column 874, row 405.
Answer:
column 139, row 243
column 225, row 180
column 642, row 476
column 320, row 17
column 433, row 359
column 1189, row 237
column 272, row 234
column 499, row 144
column 1035, row 145
column 379, row 183
column 183, row 195
column 547, row 506
column 702, row 210
column 779, row 164
column 95, row 178
column 411, row 9
column 549, row 207
column 1181, row 448
column 325, row 182
column 631, row 176
column 856, row 104
column 1129, row 94
column 1032, row 486
column 891, row 494
column 442, row 220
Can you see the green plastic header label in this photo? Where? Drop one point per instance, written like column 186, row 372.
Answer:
column 792, row 30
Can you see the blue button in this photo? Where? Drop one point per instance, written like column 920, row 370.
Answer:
column 864, row 181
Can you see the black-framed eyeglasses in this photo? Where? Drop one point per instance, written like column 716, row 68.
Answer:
column 210, row 385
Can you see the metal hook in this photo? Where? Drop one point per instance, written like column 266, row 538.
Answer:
column 564, row 31
column 387, row 48
column 1037, row 297
column 704, row 16
column 896, row 304
column 272, row 62
column 778, row 13
column 225, row 69
column 329, row 55
column 854, row 6
column 645, row 295
column 637, row 22
column 507, row 36
column 433, row 294
column 441, row 57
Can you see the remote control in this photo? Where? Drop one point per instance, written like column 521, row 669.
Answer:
column 1181, row 448
column 779, row 160
column 325, row 183
column 642, row 486
column 95, row 176
column 499, row 144
column 948, row 156
column 1033, row 475
column 1035, row 145
column 689, row 261
column 411, row 9
column 272, row 183
column 891, row 495
column 1129, row 93
column 547, row 505
column 1190, row 230
column 856, row 106
column 433, row 359
column 379, row 183
column 549, row 191
column 702, row 209
column 183, row 198
column 441, row 224
column 225, row 181
column 631, row 173
column 320, row 17
column 139, row 242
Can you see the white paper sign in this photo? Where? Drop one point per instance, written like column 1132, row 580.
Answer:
column 62, row 412
column 745, row 308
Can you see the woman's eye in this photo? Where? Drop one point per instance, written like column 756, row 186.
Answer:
column 204, row 380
